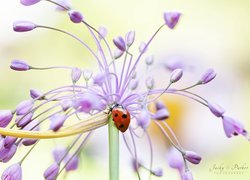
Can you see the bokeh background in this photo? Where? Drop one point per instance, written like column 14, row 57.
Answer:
column 211, row 33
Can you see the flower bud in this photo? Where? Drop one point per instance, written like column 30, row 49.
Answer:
column 57, row 121
column 171, row 19
column 72, row 163
column 130, row 38
column 143, row 119
column 133, row 84
column 24, row 107
column 158, row 172
column 51, row 172
column 149, row 60
column 5, row 117
column 187, row 175
column 22, row 120
column 32, row 126
column 9, row 141
column 150, row 83
column 59, row 153
column 175, row 159
column 29, row 2
column 19, row 65
column 120, row 43
column 87, row 74
column 216, row 109
column 99, row 79
column 143, row 47
column 66, row 104
column 192, row 157
column 34, row 94
column 13, row 172
column 161, row 114
column 118, row 53
column 233, row 127
column 159, row 105
column 76, row 74
column 7, row 153
column 75, row 16
column 176, row 75
column 64, row 3
column 208, row 76
column 102, row 32
column 23, row 26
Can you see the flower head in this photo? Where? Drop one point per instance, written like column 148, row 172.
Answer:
column 116, row 92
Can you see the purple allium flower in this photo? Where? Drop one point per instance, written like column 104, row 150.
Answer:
column 5, row 117
column 51, row 172
column 24, row 107
column 13, row 172
column 57, row 121
column 19, row 65
column 216, row 109
column 161, row 114
column 143, row 119
column 118, row 53
column 7, row 153
column 76, row 74
column 36, row 94
column 102, row 32
column 233, row 127
column 149, row 60
column 158, row 172
column 9, row 141
column 23, row 26
column 208, row 76
column 143, row 47
column 130, row 38
column 187, row 175
column 22, row 121
column 171, row 19
column 29, row 2
column 175, row 159
column 120, row 43
column 75, row 16
column 72, row 163
column 192, row 157
column 32, row 126
column 59, row 153
column 122, row 88
column 176, row 75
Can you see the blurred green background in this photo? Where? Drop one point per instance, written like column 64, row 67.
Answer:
column 211, row 33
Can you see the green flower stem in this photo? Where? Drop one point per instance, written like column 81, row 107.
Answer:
column 113, row 150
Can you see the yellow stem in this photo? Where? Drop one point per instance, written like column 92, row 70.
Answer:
column 89, row 124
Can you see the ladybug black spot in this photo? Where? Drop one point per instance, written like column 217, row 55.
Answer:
column 124, row 116
column 121, row 126
column 116, row 114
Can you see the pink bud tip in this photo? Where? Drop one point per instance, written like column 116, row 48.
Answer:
column 176, row 75
column 19, row 65
column 171, row 19
column 75, row 16
column 23, row 26
column 29, row 2
column 120, row 43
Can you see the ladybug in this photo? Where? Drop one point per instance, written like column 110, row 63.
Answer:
column 121, row 117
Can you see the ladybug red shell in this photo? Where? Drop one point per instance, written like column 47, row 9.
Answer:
column 121, row 118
